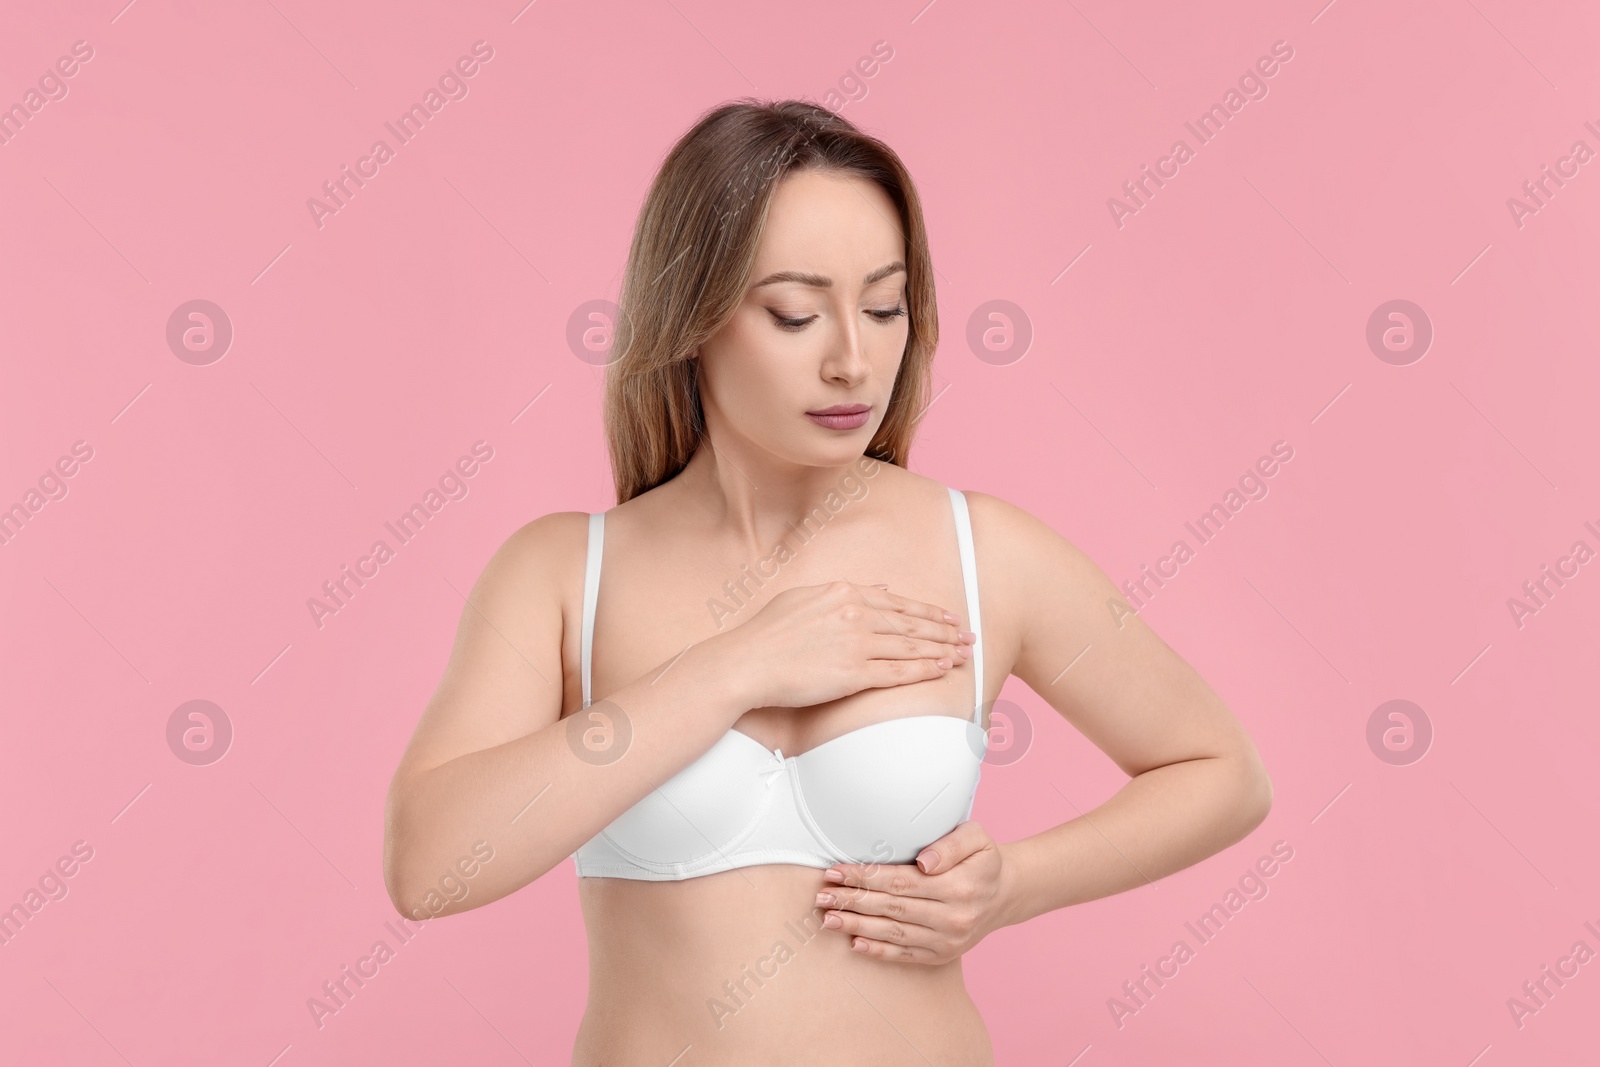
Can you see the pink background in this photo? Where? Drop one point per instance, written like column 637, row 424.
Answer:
column 1168, row 354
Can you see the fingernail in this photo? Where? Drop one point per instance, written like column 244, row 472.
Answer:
column 824, row 900
column 833, row 874
column 950, row 618
column 944, row 664
column 832, row 920
column 969, row 637
column 928, row 861
column 963, row 652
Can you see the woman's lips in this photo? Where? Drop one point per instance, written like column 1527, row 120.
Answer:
column 850, row 420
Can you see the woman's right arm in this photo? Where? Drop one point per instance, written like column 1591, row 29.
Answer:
column 493, row 766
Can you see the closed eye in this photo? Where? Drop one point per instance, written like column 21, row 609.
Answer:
column 883, row 316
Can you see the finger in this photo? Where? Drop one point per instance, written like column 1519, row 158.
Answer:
column 948, row 634
column 901, row 879
column 889, row 673
column 966, row 839
column 916, row 910
column 881, row 950
column 889, row 646
column 890, row 622
column 881, row 598
column 918, row 620
column 875, row 928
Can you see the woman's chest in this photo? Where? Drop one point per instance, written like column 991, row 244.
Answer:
column 651, row 605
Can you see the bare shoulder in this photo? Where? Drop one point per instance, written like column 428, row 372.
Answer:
column 533, row 583
column 545, row 533
column 543, row 553
column 1000, row 517
column 1017, row 543
column 1034, row 581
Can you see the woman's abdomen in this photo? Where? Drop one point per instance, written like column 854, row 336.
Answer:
column 737, row 968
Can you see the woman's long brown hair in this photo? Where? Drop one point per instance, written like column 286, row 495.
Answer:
column 694, row 246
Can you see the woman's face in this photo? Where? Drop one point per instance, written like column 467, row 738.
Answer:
column 823, row 324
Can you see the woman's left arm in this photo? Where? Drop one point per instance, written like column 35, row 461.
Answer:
column 1197, row 783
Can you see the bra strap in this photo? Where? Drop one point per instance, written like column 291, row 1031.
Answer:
column 969, row 578
column 591, row 590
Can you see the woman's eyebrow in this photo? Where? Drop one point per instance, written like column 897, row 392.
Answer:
column 822, row 281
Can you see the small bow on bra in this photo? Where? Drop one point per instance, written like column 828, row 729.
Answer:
column 771, row 775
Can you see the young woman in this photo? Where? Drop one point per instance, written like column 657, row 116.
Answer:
column 759, row 735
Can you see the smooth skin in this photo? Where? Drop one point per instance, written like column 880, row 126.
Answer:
column 737, row 967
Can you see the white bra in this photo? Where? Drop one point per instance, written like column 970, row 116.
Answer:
column 880, row 793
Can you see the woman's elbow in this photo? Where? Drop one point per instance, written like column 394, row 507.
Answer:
column 398, row 881
column 1256, row 787
column 398, row 885
column 400, row 878
column 417, row 899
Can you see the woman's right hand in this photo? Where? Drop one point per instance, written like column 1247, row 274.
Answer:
column 815, row 643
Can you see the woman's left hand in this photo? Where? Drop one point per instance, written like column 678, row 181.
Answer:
column 930, row 913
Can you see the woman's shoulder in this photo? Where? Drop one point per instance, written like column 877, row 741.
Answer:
column 1000, row 528
column 997, row 515
column 544, row 553
column 550, row 532
column 1017, row 545
column 1000, row 522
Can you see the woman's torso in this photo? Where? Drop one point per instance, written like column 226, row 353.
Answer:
column 734, row 967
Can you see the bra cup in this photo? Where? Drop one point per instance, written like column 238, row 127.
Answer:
column 700, row 812
column 978, row 740
column 883, row 794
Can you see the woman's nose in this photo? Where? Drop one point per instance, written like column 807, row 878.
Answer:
column 846, row 359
